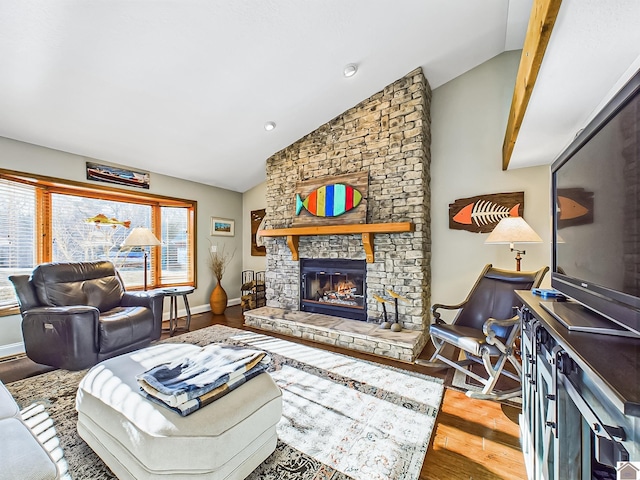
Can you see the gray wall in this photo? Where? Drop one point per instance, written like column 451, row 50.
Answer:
column 212, row 201
column 468, row 122
column 254, row 199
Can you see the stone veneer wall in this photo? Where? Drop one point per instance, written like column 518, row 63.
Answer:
column 387, row 135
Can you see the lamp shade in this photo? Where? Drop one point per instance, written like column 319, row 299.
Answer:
column 141, row 237
column 513, row 230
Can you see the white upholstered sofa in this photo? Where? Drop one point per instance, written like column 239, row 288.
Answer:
column 21, row 453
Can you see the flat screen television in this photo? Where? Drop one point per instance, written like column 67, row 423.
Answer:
column 596, row 223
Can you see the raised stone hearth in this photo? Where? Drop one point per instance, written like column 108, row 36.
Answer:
column 352, row 334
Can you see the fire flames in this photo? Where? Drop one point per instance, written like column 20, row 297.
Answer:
column 345, row 288
column 343, row 292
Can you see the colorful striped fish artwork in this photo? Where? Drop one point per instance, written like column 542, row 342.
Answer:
column 484, row 212
column 329, row 200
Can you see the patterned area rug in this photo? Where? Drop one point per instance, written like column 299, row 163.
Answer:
column 342, row 419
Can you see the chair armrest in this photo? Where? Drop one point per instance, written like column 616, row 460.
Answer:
column 61, row 311
column 140, row 299
column 75, row 316
column 505, row 346
column 65, row 337
column 436, row 306
column 487, row 327
column 153, row 300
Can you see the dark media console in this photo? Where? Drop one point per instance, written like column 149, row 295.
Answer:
column 581, row 396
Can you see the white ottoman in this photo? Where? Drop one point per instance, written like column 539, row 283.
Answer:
column 138, row 439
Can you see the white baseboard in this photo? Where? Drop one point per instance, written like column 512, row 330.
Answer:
column 11, row 349
column 199, row 309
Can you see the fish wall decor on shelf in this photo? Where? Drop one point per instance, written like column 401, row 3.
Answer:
column 575, row 207
column 480, row 214
column 331, row 200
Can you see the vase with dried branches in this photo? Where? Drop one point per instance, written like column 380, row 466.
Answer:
column 218, row 264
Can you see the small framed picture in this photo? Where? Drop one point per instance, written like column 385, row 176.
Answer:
column 223, row 226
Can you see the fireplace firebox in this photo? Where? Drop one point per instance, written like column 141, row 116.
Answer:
column 333, row 287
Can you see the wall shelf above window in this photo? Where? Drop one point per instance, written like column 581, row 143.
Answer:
column 367, row 230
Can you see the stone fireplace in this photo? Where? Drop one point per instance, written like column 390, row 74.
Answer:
column 388, row 137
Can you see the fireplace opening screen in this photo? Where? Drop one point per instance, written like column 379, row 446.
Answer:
column 334, row 287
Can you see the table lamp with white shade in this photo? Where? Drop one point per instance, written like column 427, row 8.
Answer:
column 142, row 237
column 513, row 230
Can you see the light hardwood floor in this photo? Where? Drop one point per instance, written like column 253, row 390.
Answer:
column 472, row 440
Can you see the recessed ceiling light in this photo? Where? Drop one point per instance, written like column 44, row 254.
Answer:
column 268, row 126
column 350, row 70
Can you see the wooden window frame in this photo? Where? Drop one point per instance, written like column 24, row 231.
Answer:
column 45, row 186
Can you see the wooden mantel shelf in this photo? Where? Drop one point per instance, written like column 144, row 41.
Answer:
column 367, row 230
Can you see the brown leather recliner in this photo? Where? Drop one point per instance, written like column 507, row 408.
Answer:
column 75, row 315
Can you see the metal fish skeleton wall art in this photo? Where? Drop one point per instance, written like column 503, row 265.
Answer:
column 482, row 213
column 329, row 200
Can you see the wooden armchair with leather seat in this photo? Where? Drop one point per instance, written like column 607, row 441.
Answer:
column 485, row 329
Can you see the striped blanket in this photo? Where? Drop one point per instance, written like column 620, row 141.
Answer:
column 188, row 384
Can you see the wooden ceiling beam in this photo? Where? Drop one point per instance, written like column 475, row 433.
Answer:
column 541, row 22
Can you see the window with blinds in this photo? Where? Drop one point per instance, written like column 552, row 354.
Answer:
column 75, row 223
column 17, row 235
column 176, row 246
column 87, row 229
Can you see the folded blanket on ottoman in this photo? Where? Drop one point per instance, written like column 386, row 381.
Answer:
column 189, row 383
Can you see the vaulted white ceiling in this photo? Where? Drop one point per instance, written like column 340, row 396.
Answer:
column 184, row 87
